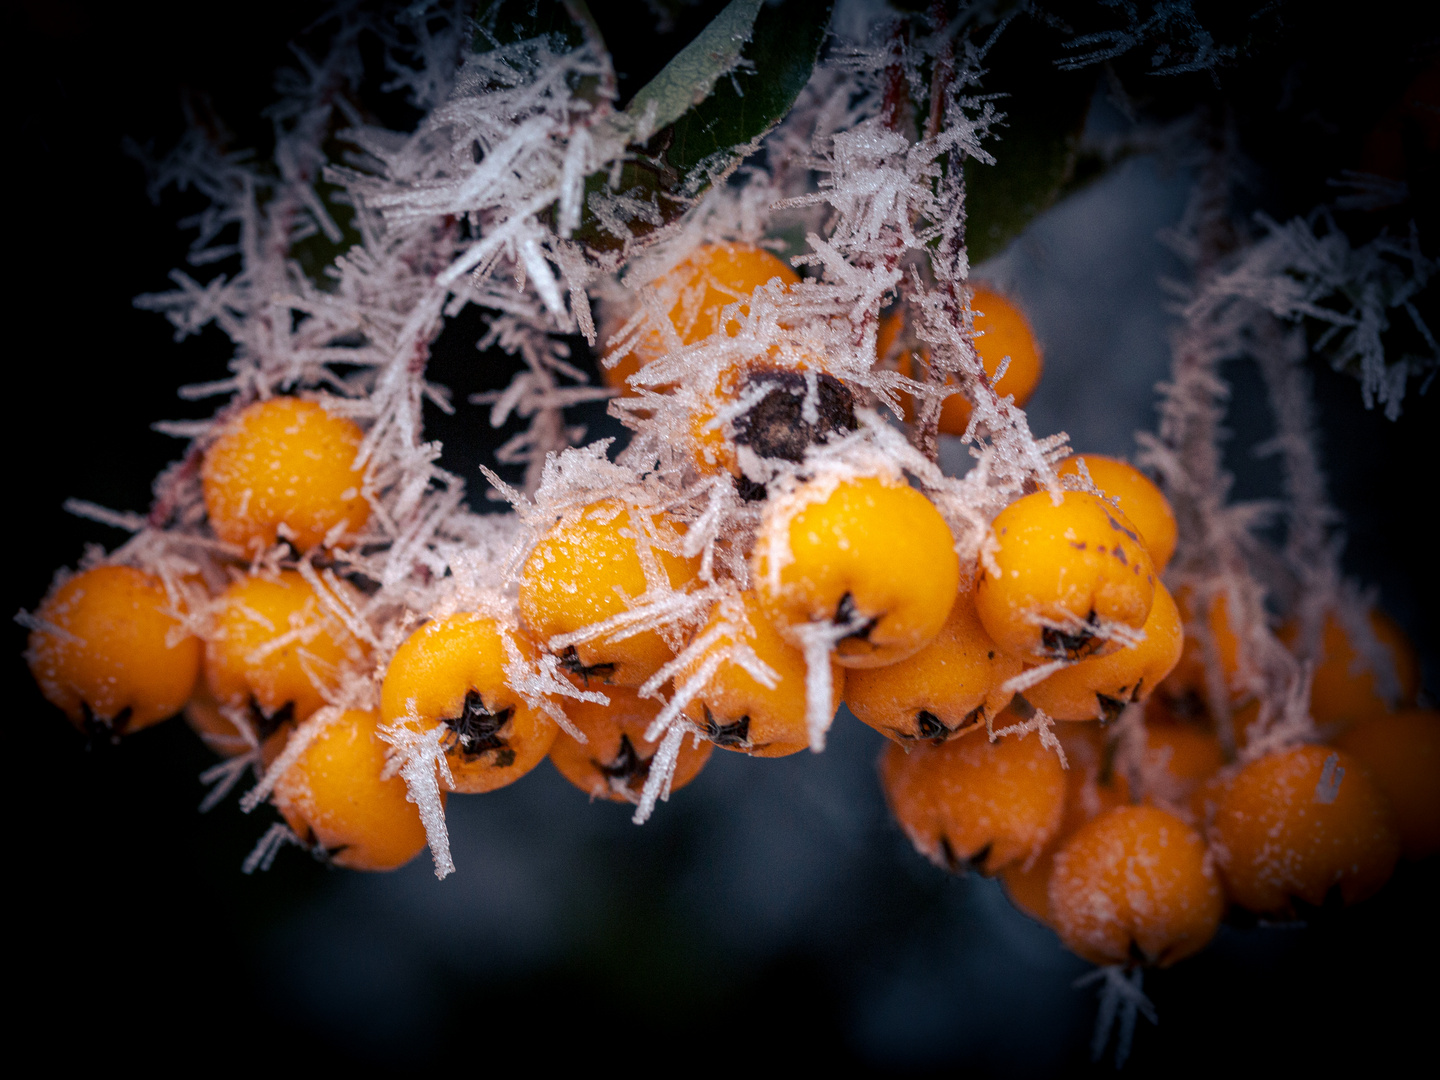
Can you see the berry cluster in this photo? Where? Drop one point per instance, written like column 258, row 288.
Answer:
column 626, row 655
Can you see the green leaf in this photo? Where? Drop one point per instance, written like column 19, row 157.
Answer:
column 711, row 104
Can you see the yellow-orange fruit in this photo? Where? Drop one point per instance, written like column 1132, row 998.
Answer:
column 1001, row 331
column 1402, row 752
column 274, row 646
column 710, row 279
column 871, row 553
column 1179, row 759
column 110, row 652
column 284, row 462
column 1092, row 787
column 973, row 804
column 222, row 735
column 1188, row 676
column 735, row 710
column 1285, row 832
column 1138, row 497
column 1064, row 573
column 614, row 761
column 950, row 685
column 452, row 671
column 576, row 575
column 334, row 798
column 1135, row 884
column 1343, row 689
column 1099, row 687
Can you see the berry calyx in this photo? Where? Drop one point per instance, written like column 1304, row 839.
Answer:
column 614, row 761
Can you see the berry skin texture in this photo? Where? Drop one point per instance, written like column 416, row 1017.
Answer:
column 734, row 710
column 1064, row 572
column 1001, row 330
column 1099, row 687
column 269, row 637
column 713, row 277
column 1343, row 689
column 452, row 671
column 950, row 685
column 1138, row 498
column 871, row 552
column 283, row 461
column 615, row 761
column 970, row 804
column 1135, row 884
column 1277, row 844
column 113, row 664
column 1402, row 752
column 1179, row 759
column 334, row 798
column 1092, row 787
column 570, row 582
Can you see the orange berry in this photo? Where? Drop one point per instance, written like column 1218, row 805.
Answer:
column 1064, row 572
column 274, row 647
column 576, row 575
column 1402, row 752
column 615, row 760
column 1092, row 787
column 950, row 685
column 1099, row 687
column 735, row 710
column 973, row 804
column 334, row 798
column 703, row 284
column 1179, row 759
column 117, row 657
column 1135, row 884
column 1343, row 689
column 221, row 734
column 284, row 462
column 1188, row 676
column 1001, row 330
column 452, row 671
column 870, row 552
column 1138, row 497
column 1278, row 841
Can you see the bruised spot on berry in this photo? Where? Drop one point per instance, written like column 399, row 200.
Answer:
column 845, row 615
column 1078, row 545
column 736, row 734
column 776, row 425
column 1119, row 553
column 1121, row 528
column 267, row 724
column 477, row 730
column 571, row 662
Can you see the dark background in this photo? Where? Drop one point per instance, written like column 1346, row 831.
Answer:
column 774, row 915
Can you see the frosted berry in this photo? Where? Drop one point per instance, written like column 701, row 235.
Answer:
column 1136, row 885
column 871, row 554
column 117, row 658
column 1343, row 689
column 1064, row 573
column 571, row 578
column 614, row 762
column 336, row 800
column 949, row 686
column 710, row 279
column 1292, row 830
column 284, row 462
column 974, row 804
column 275, row 649
column 452, row 671
column 1099, row 687
column 1138, row 497
column 735, row 710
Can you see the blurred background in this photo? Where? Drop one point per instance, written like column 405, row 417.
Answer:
column 770, row 912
